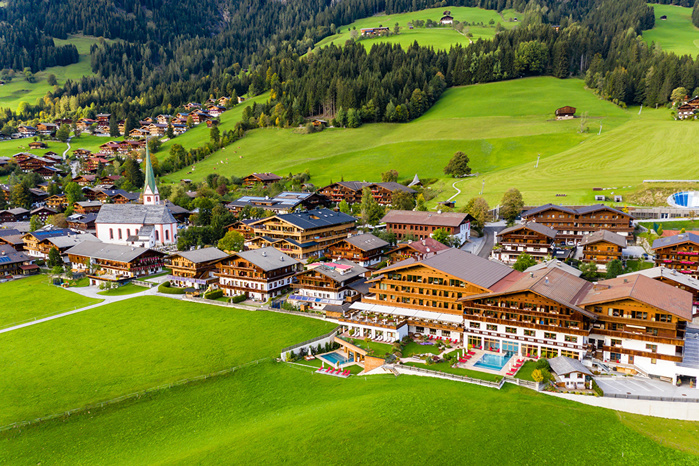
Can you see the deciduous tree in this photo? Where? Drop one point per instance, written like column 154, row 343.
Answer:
column 511, row 205
column 458, row 165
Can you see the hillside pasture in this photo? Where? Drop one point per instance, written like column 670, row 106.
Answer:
column 132, row 345
column 676, row 33
column 280, row 413
column 20, row 90
column 439, row 37
column 504, row 125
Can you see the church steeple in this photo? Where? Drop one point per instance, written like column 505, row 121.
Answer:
column 151, row 196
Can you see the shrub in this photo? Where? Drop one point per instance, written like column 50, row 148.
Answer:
column 237, row 299
column 537, row 376
column 596, row 388
column 165, row 288
column 543, row 364
column 215, row 294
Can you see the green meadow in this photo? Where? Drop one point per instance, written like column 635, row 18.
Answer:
column 131, row 345
column 275, row 413
column 11, row 147
column 34, row 298
column 676, row 33
column 441, row 37
column 19, row 90
column 503, row 127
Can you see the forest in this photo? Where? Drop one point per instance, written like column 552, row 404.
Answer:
column 268, row 46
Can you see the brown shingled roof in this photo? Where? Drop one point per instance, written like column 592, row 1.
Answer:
column 533, row 226
column 451, row 219
column 644, row 289
column 604, row 235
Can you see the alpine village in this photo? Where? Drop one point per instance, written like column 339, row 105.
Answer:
column 349, row 232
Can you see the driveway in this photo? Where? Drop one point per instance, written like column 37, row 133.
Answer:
column 640, row 386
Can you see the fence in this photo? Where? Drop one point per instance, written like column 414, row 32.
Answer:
column 143, row 284
column 321, row 340
column 524, row 383
column 445, row 375
column 252, row 308
column 651, row 398
column 129, row 396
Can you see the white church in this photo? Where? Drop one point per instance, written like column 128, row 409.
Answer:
column 144, row 225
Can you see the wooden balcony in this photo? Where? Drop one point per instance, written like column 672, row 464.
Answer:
column 532, row 325
column 679, row 341
column 644, row 354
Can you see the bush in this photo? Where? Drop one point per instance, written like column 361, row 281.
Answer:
column 596, row 388
column 165, row 288
column 237, row 299
column 543, row 364
column 215, row 294
column 537, row 376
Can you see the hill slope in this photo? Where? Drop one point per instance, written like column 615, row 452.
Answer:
column 676, row 33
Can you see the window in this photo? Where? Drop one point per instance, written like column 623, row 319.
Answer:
column 510, row 330
column 639, row 315
column 119, row 233
column 663, row 317
column 111, row 233
column 651, row 331
column 419, row 329
column 549, row 336
column 446, row 333
column 433, row 331
column 653, row 348
column 615, row 356
column 492, row 327
column 128, row 232
column 157, row 237
column 569, row 354
column 167, row 235
column 529, row 333
column 571, row 339
column 474, row 324
column 616, row 342
column 598, row 309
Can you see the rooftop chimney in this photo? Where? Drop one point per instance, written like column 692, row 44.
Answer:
column 264, row 253
column 546, row 280
column 531, row 274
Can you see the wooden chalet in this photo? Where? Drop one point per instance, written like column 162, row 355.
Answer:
column 12, row 237
column 27, row 131
column 283, row 203
column 259, row 274
column 85, row 180
column 352, row 191
column 671, row 277
column 602, row 247
column 114, row 263
column 565, row 113
column 365, row 249
column 260, row 178
column 39, row 243
column 302, row 234
column 678, row 252
column 82, row 222
column 532, row 238
column 328, row 283
column 689, row 109
column 195, row 269
column 378, row 31
column 18, row 214
column 417, row 250
column 243, row 227
column 57, row 202
column 571, row 223
column 42, row 213
column 87, row 207
column 422, row 224
column 38, row 145
column 13, row 262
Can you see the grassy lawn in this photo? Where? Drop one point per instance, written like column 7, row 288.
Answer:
column 82, row 283
column 162, row 274
column 379, row 349
column 85, row 141
column 441, row 37
column 33, row 298
column 19, row 90
column 688, row 225
column 123, row 290
column 274, row 413
column 316, row 363
column 416, row 348
column 525, row 372
column 675, row 34
column 446, row 367
column 132, row 345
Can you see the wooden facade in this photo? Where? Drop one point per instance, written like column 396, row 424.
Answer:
column 680, row 253
column 260, row 178
column 352, row 191
column 240, row 276
column 573, row 223
column 601, row 252
column 536, row 240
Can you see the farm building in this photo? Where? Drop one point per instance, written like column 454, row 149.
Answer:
column 565, row 113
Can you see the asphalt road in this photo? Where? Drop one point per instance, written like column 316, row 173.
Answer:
column 489, row 234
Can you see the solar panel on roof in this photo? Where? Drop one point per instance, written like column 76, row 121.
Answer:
column 5, row 259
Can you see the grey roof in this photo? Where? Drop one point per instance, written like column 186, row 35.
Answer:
column 544, row 207
column 135, row 214
column 390, row 185
column 89, row 203
column 68, row 241
column 8, row 255
column 533, row 226
column 416, row 217
column 106, row 251
column 17, row 211
column 662, row 272
column 572, row 210
column 339, row 276
column 86, row 218
column 202, row 255
column 317, row 218
column 175, row 209
column 366, row 242
column 463, row 265
column 555, row 264
column 675, row 239
column 604, row 235
column 562, row 365
column 267, row 258
column 284, row 201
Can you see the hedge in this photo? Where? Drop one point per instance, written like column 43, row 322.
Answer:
column 239, row 298
column 167, row 289
column 215, row 294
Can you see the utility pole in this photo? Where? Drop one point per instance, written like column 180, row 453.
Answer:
column 600, row 128
column 639, row 110
column 483, row 187
column 537, row 160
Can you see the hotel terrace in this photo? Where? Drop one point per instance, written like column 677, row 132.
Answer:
column 423, row 296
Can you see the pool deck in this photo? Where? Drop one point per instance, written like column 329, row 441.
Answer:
column 471, row 363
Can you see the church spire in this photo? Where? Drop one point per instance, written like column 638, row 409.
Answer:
column 151, row 196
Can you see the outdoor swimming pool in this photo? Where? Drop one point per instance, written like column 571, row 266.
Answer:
column 334, row 358
column 494, row 362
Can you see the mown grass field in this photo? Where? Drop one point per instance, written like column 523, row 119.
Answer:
column 11, row 147
column 19, row 90
column 441, row 37
column 33, row 298
column 123, row 290
column 131, row 345
column 277, row 413
column 675, row 34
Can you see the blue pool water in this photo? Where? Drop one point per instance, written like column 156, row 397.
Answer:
column 493, row 362
column 334, row 358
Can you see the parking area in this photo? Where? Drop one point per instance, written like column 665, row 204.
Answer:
column 638, row 386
